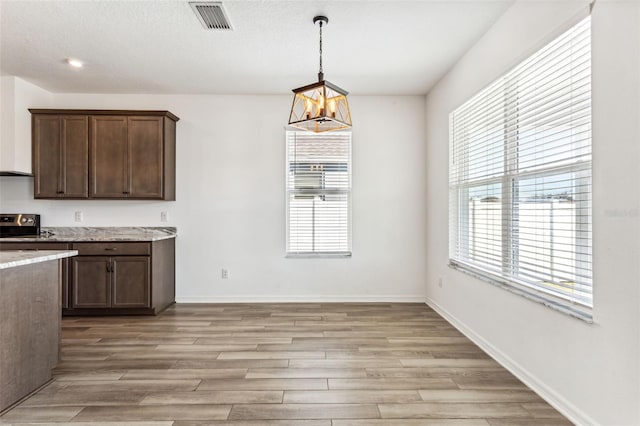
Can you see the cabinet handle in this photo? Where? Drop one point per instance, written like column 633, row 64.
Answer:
column 110, row 248
column 59, row 192
column 108, row 266
column 125, row 192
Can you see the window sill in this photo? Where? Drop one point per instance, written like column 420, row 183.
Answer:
column 319, row 255
column 582, row 313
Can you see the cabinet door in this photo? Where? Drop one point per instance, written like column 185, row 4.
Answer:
column 75, row 156
column 130, row 282
column 46, row 156
column 145, row 157
column 91, row 282
column 109, row 174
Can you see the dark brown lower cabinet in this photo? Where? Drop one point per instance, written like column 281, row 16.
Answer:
column 122, row 277
column 91, row 282
column 111, row 282
column 130, row 285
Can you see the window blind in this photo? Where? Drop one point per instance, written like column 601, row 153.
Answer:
column 520, row 175
column 318, row 193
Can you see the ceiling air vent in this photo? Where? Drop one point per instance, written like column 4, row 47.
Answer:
column 211, row 15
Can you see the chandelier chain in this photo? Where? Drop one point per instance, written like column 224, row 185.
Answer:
column 320, row 71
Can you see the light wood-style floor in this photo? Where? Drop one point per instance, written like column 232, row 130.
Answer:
column 279, row 364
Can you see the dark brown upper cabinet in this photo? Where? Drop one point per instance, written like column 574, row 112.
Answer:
column 60, row 156
column 127, row 154
column 145, row 157
column 108, row 156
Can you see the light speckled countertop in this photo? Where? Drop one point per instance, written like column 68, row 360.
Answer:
column 11, row 259
column 78, row 234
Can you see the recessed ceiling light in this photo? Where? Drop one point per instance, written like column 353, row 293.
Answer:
column 75, row 63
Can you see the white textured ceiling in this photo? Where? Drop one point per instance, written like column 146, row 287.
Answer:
column 371, row 47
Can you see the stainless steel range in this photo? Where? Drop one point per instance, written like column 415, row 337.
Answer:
column 19, row 225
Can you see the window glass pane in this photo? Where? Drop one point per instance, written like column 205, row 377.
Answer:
column 552, row 233
column 485, row 225
column 319, row 161
column 318, row 186
column 318, row 223
column 520, row 174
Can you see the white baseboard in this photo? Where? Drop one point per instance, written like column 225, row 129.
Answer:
column 554, row 399
column 303, row 299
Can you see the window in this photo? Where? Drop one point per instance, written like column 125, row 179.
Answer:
column 520, row 177
column 319, row 193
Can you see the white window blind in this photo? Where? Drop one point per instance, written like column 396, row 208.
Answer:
column 318, row 193
column 520, row 176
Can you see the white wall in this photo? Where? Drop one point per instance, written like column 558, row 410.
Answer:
column 230, row 208
column 7, row 122
column 591, row 372
column 15, row 135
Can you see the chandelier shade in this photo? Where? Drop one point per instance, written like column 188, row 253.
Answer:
column 320, row 106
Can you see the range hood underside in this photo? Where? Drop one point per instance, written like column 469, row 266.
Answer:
column 5, row 173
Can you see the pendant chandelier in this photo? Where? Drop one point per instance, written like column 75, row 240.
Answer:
column 321, row 106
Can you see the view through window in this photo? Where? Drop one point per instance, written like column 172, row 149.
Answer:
column 520, row 175
column 318, row 193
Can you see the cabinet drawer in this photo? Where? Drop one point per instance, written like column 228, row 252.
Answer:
column 112, row 249
column 33, row 246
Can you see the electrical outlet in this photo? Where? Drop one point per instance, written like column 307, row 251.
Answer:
column 440, row 282
column 225, row 274
column 78, row 216
column 164, row 217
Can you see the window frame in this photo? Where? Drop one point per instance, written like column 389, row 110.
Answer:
column 319, row 193
column 460, row 237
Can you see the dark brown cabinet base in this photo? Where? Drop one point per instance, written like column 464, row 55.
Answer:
column 111, row 282
column 121, row 278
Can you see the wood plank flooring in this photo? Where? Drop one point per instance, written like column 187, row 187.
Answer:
column 279, row 364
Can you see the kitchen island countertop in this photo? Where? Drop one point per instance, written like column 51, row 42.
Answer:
column 11, row 259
